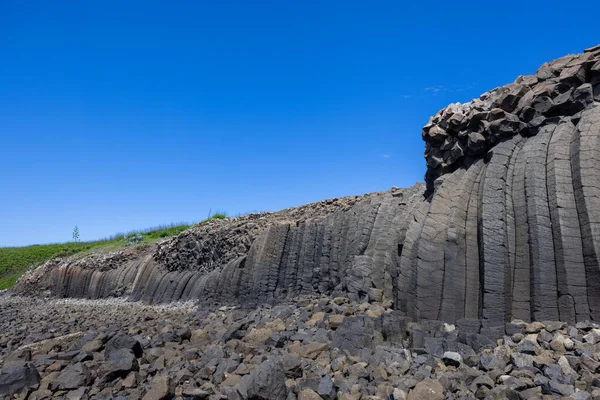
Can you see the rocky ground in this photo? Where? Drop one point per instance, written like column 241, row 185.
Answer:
column 308, row 349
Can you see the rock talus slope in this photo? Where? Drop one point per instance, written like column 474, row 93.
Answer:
column 506, row 226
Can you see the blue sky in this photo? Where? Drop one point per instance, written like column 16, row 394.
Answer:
column 123, row 115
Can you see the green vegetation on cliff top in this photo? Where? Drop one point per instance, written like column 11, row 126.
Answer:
column 15, row 261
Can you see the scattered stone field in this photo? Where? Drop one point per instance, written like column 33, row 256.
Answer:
column 310, row 348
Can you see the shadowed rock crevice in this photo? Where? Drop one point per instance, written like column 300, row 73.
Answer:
column 506, row 226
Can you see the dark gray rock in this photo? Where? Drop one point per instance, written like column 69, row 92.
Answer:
column 123, row 341
column 326, row 388
column 452, row 358
column 397, row 361
column 119, row 364
column 527, row 347
column 73, row 377
column 354, row 334
column 267, row 382
column 16, row 376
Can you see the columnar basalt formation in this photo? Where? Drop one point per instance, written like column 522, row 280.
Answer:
column 461, row 133
column 507, row 225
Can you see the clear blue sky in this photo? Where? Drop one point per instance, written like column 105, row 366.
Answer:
column 117, row 115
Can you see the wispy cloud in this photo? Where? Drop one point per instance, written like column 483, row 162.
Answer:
column 386, row 156
column 449, row 89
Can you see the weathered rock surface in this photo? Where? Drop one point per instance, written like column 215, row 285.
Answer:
column 509, row 227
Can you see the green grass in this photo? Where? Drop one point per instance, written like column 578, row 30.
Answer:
column 15, row 261
column 217, row 215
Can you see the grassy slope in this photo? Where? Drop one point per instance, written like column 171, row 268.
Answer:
column 15, row 261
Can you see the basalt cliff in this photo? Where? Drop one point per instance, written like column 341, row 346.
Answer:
column 506, row 226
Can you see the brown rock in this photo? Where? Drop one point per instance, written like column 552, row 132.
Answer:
column 160, row 389
column 309, row 394
column 312, row 350
column 427, row 389
column 199, row 336
column 231, row 380
column 131, row 380
column 257, row 336
column 335, row 320
column 315, row 319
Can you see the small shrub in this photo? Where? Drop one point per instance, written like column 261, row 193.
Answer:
column 134, row 239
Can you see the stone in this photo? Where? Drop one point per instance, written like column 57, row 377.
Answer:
column 568, row 344
column 527, row 347
column 326, row 388
column 397, row 361
column 592, row 337
column 427, row 389
column 16, row 376
column 452, row 358
column 560, row 388
column 160, row 388
column 77, row 394
column 335, row 320
column 532, row 393
column 257, row 336
column 73, row 377
column 436, row 134
column 123, row 341
column 195, row 393
column 308, row 394
column 131, row 380
column 93, row 346
column 231, row 380
column 199, row 336
column 267, row 382
column 399, row 394
column 521, row 360
column 353, row 335
column 476, row 143
column 483, row 380
column 534, row 327
column 120, row 363
column 313, row 349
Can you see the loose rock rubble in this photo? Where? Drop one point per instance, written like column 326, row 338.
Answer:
column 309, row 348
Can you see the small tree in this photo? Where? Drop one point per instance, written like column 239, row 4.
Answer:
column 76, row 234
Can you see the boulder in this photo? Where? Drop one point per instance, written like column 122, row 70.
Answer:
column 123, row 341
column 267, row 382
column 16, row 376
column 73, row 377
column 427, row 389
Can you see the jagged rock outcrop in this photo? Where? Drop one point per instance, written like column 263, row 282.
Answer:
column 461, row 133
column 507, row 225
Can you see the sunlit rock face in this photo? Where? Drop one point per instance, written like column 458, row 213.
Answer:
column 506, row 226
